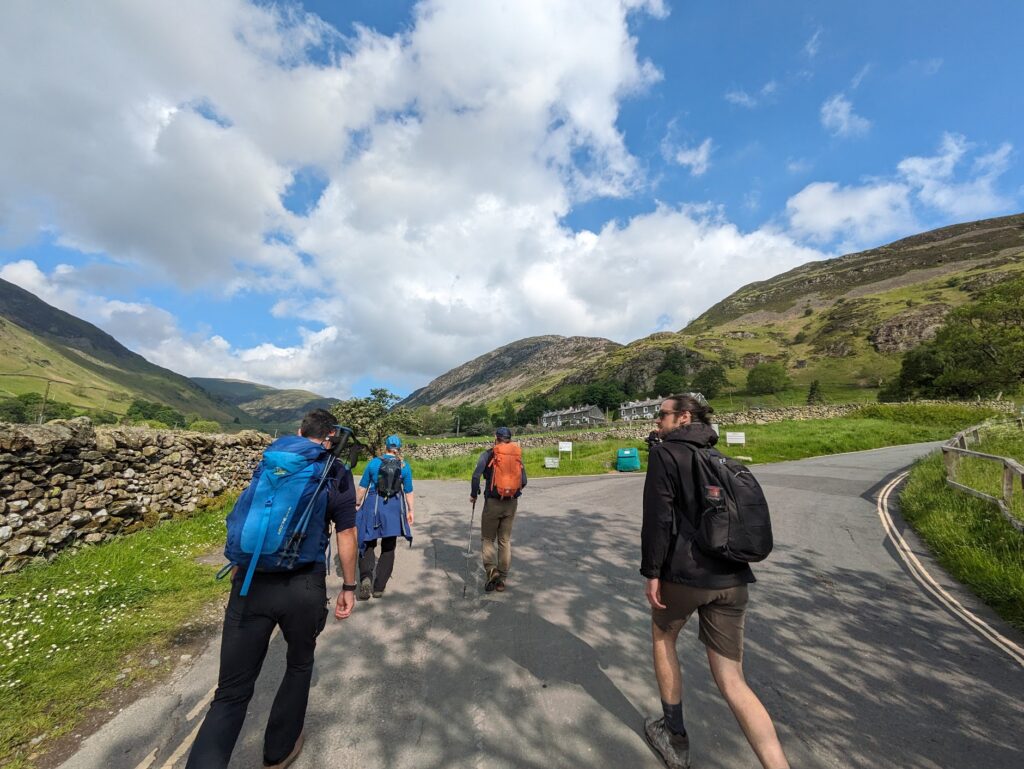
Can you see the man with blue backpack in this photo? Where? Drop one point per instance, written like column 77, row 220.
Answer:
column 385, row 503
column 277, row 535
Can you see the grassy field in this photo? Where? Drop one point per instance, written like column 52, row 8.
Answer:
column 870, row 428
column 74, row 628
column 969, row 536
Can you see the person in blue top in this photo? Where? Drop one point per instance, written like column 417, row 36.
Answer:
column 385, row 502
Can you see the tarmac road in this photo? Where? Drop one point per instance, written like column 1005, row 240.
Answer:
column 858, row 665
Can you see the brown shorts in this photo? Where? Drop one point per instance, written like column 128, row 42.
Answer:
column 721, row 613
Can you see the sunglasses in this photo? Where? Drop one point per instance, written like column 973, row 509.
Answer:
column 663, row 414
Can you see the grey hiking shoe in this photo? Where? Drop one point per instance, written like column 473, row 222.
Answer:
column 364, row 589
column 674, row 749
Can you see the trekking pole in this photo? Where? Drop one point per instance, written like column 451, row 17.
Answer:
column 469, row 545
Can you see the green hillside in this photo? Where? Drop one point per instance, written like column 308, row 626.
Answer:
column 87, row 367
column 267, row 404
column 845, row 322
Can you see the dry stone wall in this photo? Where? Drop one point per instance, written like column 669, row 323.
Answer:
column 66, row 483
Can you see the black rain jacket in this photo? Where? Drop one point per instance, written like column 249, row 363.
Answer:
column 670, row 492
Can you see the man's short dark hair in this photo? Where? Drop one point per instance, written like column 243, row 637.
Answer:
column 317, row 424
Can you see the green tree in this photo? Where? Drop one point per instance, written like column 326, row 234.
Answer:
column 374, row 418
column 504, row 415
column 979, row 350
column 470, row 414
column 604, row 393
column 14, row 410
column 205, row 426
column 767, row 378
column 532, row 410
column 668, row 383
column 710, row 381
column 815, row 396
column 146, row 411
column 674, row 361
column 435, row 421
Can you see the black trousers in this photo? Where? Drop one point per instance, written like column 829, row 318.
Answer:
column 295, row 601
column 368, row 561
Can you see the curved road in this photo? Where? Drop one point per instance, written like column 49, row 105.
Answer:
column 859, row 666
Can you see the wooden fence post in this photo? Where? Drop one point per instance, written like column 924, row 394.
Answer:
column 949, row 458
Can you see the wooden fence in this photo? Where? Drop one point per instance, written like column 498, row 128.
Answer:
column 1013, row 471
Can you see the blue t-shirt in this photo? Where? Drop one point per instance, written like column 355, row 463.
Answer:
column 369, row 479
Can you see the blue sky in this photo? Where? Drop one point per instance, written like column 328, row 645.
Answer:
column 337, row 196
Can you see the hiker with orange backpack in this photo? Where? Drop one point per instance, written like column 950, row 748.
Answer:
column 504, row 478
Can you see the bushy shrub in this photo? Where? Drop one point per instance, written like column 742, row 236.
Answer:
column 205, row 426
column 767, row 378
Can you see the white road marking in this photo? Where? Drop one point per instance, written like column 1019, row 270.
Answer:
column 147, row 761
column 928, row 582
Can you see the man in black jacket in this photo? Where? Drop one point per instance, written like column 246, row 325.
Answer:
column 682, row 579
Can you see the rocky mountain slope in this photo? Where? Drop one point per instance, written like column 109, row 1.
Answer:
column 268, row 404
column 528, row 365
column 86, row 366
column 845, row 321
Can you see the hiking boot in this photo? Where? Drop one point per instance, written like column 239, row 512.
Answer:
column 491, row 585
column 673, row 748
column 378, row 593
column 500, row 585
column 290, row 758
column 364, row 589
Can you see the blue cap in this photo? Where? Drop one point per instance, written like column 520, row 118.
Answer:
column 503, row 432
column 393, row 442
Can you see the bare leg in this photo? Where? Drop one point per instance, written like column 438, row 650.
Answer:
column 750, row 713
column 666, row 664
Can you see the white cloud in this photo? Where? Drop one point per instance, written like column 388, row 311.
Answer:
column 824, row 211
column 861, row 215
column 697, row 159
column 741, row 98
column 799, row 165
column 935, row 181
column 839, row 119
column 859, row 77
column 813, row 44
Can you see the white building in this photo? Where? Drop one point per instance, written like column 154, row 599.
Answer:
column 648, row 409
column 574, row 416
column 632, row 410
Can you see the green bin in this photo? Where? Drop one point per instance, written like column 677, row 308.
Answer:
column 627, row 460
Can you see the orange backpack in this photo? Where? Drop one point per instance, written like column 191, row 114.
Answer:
column 506, row 470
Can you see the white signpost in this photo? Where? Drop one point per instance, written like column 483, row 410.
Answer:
column 551, row 463
column 565, row 447
column 735, row 439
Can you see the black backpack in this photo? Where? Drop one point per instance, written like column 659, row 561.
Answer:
column 389, row 477
column 734, row 523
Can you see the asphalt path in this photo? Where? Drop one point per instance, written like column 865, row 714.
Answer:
column 859, row 666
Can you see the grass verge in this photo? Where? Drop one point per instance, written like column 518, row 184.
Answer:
column 71, row 625
column 968, row 536
column 869, row 428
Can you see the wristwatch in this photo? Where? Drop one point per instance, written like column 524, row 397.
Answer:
column 348, row 588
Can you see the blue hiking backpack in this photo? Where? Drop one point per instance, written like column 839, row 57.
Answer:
column 268, row 526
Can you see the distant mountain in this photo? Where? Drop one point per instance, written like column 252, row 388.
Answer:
column 529, row 365
column 86, row 366
column 268, row 404
column 845, row 321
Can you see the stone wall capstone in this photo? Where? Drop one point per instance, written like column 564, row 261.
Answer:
column 66, row 483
